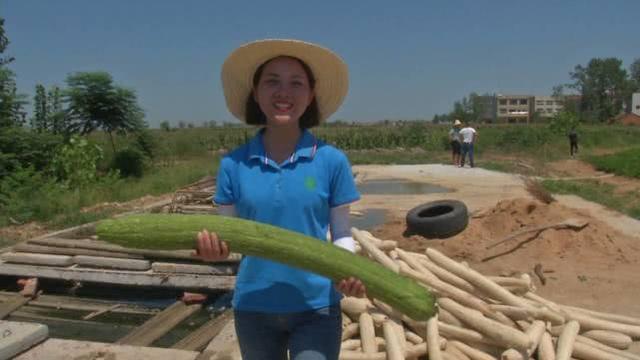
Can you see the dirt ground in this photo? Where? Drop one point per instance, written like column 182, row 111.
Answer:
column 596, row 267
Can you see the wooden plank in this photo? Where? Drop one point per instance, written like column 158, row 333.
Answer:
column 101, row 246
column 37, row 259
column 78, row 304
column 160, row 324
column 112, row 263
column 100, row 312
column 59, row 349
column 18, row 337
column 12, row 304
column 30, row 248
column 78, row 329
column 198, row 339
column 192, row 282
column 225, row 344
column 163, row 267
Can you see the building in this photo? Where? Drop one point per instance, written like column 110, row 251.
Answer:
column 514, row 108
column 635, row 103
column 547, row 106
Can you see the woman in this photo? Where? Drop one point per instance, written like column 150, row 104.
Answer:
column 285, row 177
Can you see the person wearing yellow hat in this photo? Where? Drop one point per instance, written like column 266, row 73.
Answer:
column 285, row 177
column 455, row 140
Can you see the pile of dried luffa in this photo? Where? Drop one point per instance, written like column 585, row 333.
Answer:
column 480, row 317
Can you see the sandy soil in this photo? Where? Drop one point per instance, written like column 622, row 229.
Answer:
column 596, row 267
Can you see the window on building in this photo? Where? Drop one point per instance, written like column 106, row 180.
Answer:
column 523, row 101
column 539, row 102
column 549, row 102
column 503, row 111
column 559, row 103
column 513, row 102
column 503, row 102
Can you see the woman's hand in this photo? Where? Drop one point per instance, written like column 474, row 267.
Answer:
column 352, row 287
column 210, row 248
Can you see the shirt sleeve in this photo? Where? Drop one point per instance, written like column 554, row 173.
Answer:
column 343, row 187
column 340, row 228
column 224, row 194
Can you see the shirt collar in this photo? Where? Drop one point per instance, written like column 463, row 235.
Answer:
column 306, row 148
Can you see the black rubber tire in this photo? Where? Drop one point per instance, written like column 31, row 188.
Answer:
column 438, row 219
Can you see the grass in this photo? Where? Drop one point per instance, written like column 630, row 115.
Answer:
column 601, row 193
column 625, row 163
column 35, row 198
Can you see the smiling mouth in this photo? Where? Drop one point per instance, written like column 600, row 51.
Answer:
column 283, row 107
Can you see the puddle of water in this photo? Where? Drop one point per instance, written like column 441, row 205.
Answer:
column 370, row 219
column 399, row 187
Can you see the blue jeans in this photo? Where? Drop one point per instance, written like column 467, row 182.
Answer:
column 308, row 335
column 467, row 148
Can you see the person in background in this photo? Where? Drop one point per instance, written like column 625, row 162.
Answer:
column 573, row 142
column 455, row 142
column 285, row 177
column 469, row 138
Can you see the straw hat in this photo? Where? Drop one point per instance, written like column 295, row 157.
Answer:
column 457, row 123
column 329, row 70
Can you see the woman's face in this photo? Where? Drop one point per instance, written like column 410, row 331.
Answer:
column 283, row 91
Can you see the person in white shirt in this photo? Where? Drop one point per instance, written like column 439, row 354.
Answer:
column 469, row 138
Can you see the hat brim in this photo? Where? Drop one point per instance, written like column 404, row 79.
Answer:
column 329, row 70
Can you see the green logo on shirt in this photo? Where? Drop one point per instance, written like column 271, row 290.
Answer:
column 310, row 183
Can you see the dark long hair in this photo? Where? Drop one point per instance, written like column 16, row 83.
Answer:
column 255, row 116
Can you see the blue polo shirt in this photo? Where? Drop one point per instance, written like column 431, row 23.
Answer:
column 296, row 195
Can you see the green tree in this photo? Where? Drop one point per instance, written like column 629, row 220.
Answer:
column 470, row 108
column 40, row 109
column 634, row 74
column 11, row 103
column 56, row 113
column 603, row 85
column 94, row 102
column 4, row 42
column 165, row 126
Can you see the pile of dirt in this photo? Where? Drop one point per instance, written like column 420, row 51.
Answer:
column 596, row 240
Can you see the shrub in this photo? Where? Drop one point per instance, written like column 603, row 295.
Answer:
column 145, row 142
column 129, row 162
column 75, row 164
column 26, row 195
column 20, row 148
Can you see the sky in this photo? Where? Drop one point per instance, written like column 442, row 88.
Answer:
column 407, row 59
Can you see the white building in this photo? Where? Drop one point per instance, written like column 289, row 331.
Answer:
column 547, row 106
column 635, row 104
